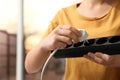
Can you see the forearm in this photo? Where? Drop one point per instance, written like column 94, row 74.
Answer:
column 35, row 59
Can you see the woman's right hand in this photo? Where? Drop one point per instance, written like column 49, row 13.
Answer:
column 60, row 37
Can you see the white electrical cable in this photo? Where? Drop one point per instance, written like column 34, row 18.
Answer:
column 45, row 64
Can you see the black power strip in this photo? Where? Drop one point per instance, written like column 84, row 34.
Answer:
column 109, row 45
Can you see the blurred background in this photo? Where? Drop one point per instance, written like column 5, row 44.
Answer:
column 37, row 14
column 8, row 29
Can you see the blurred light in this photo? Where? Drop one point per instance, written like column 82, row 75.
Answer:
column 8, row 15
column 37, row 15
column 31, row 42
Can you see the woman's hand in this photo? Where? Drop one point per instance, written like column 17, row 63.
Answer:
column 60, row 37
column 104, row 59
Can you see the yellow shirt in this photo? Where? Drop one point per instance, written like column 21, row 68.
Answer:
column 106, row 25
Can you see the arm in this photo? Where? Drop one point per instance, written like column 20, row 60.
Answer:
column 35, row 58
column 60, row 37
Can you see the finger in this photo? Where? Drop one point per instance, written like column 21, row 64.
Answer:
column 67, row 31
column 103, row 56
column 108, row 60
column 65, row 39
column 76, row 31
column 73, row 36
column 95, row 58
column 88, row 57
column 60, row 45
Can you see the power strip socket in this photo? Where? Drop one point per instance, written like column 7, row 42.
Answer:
column 109, row 45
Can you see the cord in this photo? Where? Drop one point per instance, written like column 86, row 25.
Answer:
column 45, row 64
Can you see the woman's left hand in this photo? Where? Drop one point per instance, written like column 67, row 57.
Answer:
column 104, row 59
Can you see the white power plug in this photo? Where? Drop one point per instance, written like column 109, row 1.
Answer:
column 84, row 34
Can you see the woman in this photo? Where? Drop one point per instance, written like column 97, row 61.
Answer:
column 99, row 18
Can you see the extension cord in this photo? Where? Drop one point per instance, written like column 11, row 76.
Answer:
column 109, row 45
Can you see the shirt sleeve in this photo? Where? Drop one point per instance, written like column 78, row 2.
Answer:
column 53, row 24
